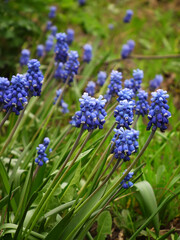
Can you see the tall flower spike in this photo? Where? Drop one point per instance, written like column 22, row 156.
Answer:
column 87, row 53
column 49, row 43
column 62, row 103
column 90, row 89
column 53, row 31
column 34, row 78
column 158, row 112
column 91, row 114
column 42, row 156
column 129, row 83
column 125, row 143
column 138, row 76
column 61, row 48
column 4, row 85
column 59, row 73
column 124, row 114
column 25, row 55
column 128, row 16
column 125, row 51
column 40, row 50
column 101, row 78
column 52, row 12
column 142, row 106
column 16, row 95
column 131, row 44
column 115, row 82
column 125, row 94
column 125, row 182
column 156, row 82
column 70, row 36
column 48, row 25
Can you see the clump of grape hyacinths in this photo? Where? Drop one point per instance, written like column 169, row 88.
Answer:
column 15, row 97
column 52, row 12
column 125, row 143
column 127, row 49
column 70, row 36
column 48, row 25
column 41, row 149
column 142, row 105
column 128, row 16
column 87, row 56
column 125, row 182
column 40, row 50
column 90, row 89
column 25, row 55
column 62, row 103
column 4, row 85
column 158, row 112
column 61, row 48
column 124, row 114
column 92, row 114
column 53, row 31
column 34, row 78
column 49, row 43
column 156, row 82
column 101, row 78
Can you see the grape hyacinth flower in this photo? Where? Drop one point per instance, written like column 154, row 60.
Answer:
column 4, row 85
column 125, row 143
column 129, row 83
column 101, row 78
column 70, row 36
column 42, row 156
column 126, row 94
column 81, row 2
column 158, row 112
column 34, row 78
column 125, row 182
column 40, row 50
column 52, row 12
column 131, row 44
column 91, row 114
column 15, row 97
column 61, row 48
column 124, row 114
column 49, row 43
column 87, row 53
column 115, row 82
column 90, row 89
column 62, row 103
column 155, row 83
column 111, row 26
column 59, row 73
column 53, row 31
column 138, row 76
column 48, row 25
column 142, row 106
column 125, row 51
column 25, row 55
column 128, row 16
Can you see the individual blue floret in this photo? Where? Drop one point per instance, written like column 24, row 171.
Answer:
column 42, row 156
column 101, row 78
column 125, row 182
column 34, row 78
column 49, row 43
column 62, row 104
column 70, row 36
column 128, row 16
column 158, row 112
column 61, row 48
column 40, row 50
column 156, row 82
column 25, row 55
column 125, row 143
column 53, row 31
column 4, row 85
column 48, row 25
column 87, row 56
column 52, row 12
column 142, row 105
column 90, row 89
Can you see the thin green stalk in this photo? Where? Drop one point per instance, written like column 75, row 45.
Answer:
column 35, row 172
column 135, row 121
column 112, row 107
column 5, row 118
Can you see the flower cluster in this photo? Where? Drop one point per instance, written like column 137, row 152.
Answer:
column 125, row 182
column 16, row 95
column 62, row 103
column 49, row 43
column 25, row 55
column 48, row 25
column 52, row 12
column 101, row 78
column 125, row 143
column 124, row 114
column 125, row 94
column 70, row 36
column 158, row 112
column 87, row 56
column 53, row 31
column 59, row 73
column 129, row 83
column 91, row 114
column 90, row 89
column 82, row 2
column 4, row 85
column 115, row 82
column 40, row 50
column 155, row 83
column 142, row 106
column 61, row 48
column 34, row 78
column 127, row 49
column 128, row 16
column 42, row 156
column 138, row 76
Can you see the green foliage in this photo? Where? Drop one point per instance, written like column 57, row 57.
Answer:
column 104, row 225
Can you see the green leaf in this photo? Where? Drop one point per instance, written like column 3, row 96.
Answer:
column 104, row 225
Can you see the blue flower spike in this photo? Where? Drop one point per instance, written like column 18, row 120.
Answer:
column 42, row 156
column 62, row 104
column 40, row 50
column 61, row 48
column 53, row 31
column 101, row 78
column 49, row 43
column 87, row 56
column 156, row 82
column 25, row 55
column 125, row 182
column 90, row 89
column 128, row 16
column 70, row 36
column 52, row 12
column 138, row 75
column 4, row 85
column 142, row 105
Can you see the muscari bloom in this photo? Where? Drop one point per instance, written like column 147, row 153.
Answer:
column 61, row 48
column 125, row 143
column 25, row 55
column 91, row 114
column 87, row 56
column 34, row 78
column 70, row 36
column 125, row 51
column 124, row 114
column 111, row 26
column 53, row 31
column 52, row 12
column 81, row 2
column 158, row 112
column 142, row 105
column 128, row 16
column 131, row 44
column 155, row 83
column 90, row 89
column 15, row 97
column 4, row 85
column 42, row 156
column 59, row 73
column 48, row 25
column 138, row 76
column 125, row 94
column 62, row 103
column 40, row 50
column 101, row 78
column 129, row 83
column 49, row 43
column 125, row 182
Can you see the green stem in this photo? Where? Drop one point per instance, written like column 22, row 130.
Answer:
column 5, row 118
column 135, row 121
